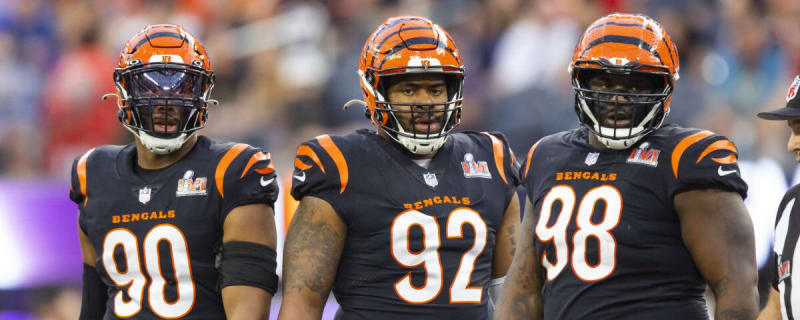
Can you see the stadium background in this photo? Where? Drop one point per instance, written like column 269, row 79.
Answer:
column 285, row 68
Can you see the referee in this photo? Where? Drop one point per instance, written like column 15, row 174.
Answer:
column 784, row 299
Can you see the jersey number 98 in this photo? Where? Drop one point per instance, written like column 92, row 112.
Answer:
column 607, row 245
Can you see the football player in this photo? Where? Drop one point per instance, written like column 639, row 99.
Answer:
column 174, row 225
column 411, row 220
column 627, row 218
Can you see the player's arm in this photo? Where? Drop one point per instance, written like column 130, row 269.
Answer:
column 504, row 247
column 311, row 255
column 717, row 230
column 772, row 311
column 522, row 295
column 248, row 262
column 94, row 295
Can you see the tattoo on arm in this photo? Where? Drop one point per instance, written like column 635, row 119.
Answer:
column 525, row 302
column 522, row 294
column 513, row 239
column 312, row 251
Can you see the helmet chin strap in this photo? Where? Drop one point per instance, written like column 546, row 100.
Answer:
column 618, row 144
column 633, row 135
column 421, row 146
column 161, row 146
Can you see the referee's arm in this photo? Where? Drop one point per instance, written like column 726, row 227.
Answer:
column 773, row 309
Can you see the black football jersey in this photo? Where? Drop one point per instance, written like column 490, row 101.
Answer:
column 606, row 232
column 787, row 233
column 156, row 231
column 419, row 240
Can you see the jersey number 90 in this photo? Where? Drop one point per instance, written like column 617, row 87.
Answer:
column 134, row 278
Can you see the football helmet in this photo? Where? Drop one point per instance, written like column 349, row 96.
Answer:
column 164, row 81
column 411, row 45
column 621, row 45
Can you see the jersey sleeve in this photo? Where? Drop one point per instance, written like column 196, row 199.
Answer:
column 248, row 177
column 77, row 187
column 704, row 160
column 526, row 167
column 505, row 162
column 75, row 193
column 320, row 170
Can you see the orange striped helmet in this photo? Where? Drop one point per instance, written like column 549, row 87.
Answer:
column 634, row 50
column 164, row 81
column 411, row 45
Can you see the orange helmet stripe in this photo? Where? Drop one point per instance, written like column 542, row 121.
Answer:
column 659, row 49
column 621, row 28
column 625, row 40
column 635, row 30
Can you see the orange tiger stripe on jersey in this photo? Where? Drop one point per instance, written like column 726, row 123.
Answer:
column 338, row 159
column 720, row 145
column 530, row 155
column 267, row 170
column 222, row 166
column 82, row 174
column 289, row 203
column 497, row 149
column 304, row 150
column 683, row 145
column 258, row 156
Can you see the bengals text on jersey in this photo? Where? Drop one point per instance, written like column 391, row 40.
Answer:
column 156, row 232
column 419, row 240
column 606, row 230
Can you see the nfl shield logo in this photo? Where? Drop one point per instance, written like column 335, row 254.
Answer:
column 591, row 158
column 430, row 179
column 144, row 195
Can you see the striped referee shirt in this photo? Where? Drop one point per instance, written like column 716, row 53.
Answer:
column 787, row 230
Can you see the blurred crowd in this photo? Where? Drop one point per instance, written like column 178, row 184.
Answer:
column 285, row 68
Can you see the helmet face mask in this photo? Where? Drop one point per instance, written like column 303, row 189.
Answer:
column 420, row 125
column 620, row 106
column 164, row 84
column 405, row 48
column 634, row 66
column 165, row 92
